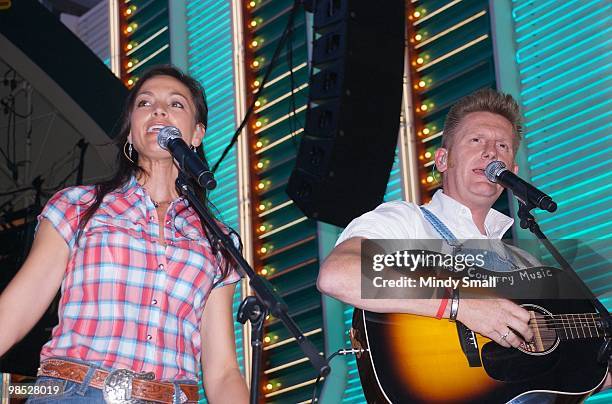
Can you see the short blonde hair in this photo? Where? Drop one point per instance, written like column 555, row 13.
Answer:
column 485, row 100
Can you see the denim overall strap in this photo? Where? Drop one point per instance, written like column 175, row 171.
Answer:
column 493, row 261
column 440, row 227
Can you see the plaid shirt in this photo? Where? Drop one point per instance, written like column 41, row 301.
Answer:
column 129, row 301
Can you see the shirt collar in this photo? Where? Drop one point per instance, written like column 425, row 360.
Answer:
column 132, row 186
column 459, row 218
column 129, row 187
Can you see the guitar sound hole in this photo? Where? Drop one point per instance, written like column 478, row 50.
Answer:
column 545, row 336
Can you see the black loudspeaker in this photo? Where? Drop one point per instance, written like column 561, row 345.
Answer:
column 352, row 122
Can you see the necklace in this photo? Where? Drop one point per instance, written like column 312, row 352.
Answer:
column 158, row 204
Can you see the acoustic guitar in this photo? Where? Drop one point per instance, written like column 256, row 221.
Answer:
column 415, row 359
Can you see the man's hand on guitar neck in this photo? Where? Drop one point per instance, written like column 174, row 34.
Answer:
column 499, row 319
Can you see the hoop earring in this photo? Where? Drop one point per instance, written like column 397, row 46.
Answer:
column 128, row 154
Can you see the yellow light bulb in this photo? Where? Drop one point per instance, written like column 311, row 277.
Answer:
column 257, row 103
column 129, row 29
column 264, row 272
column 130, row 64
column 269, row 386
column 262, row 206
column 130, row 82
column 418, row 37
column 252, row 4
column 429, row 179
column 263, row 250
column 426, row 131
column 258, row 124
column 424, row 107
column 254, row 44
column 128, row 11
column 261, row 185
column 420, row 60
column 427, row 155
column 422, row 83
column 259, row 143
column 416, row 14
column 267, row 339
column 256, row 83
column 262, row 228
column 255, row 63
column 260, row 165
column 253, row 23
column 129, row 46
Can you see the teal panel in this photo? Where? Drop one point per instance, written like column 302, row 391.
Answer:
column 210, row 59
column 564, row 58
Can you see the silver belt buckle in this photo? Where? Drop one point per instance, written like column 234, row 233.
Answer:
column 117, row 387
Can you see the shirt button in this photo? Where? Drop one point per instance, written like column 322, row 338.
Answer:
column 161, row 266
column 149, row 337
column 154, row 301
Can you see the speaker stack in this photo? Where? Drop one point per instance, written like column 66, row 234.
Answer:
column 352, row 122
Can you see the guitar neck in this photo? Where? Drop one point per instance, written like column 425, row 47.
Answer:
column 573, row 326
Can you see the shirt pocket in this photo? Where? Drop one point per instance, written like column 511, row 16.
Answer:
column 108, row 224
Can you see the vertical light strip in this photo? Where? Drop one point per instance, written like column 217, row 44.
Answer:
column 114, row 37
column 244, row 183
column 407, row 140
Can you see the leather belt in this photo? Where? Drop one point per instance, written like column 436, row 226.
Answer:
column 139, row 388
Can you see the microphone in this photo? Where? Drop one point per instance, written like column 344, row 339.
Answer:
column 169, row 138
column 497, row 172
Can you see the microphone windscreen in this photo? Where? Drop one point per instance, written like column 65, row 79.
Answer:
column 165, row 134
column 493, row 169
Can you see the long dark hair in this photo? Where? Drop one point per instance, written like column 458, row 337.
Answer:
column 126, row 168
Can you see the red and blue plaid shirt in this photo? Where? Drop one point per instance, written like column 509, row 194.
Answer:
column 129, row 301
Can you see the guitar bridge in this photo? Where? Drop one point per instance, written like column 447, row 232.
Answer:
column 469, row 345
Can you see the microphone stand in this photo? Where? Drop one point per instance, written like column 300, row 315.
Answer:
column 255, row 308
column 528, row 222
